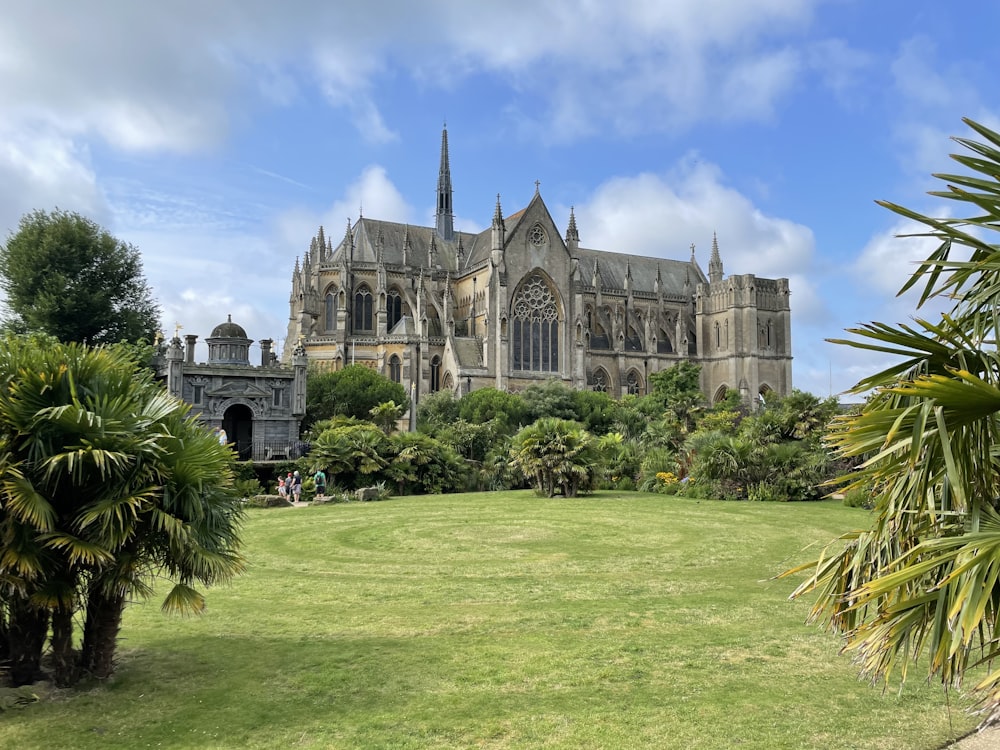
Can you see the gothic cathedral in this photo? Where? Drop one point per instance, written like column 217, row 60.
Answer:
column 519, row 303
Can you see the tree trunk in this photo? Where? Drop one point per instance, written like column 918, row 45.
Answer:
column 27, row 627
column 100, row 632
column 64, row 672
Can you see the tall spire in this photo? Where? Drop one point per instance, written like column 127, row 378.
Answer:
column 715, row 262
column 445, row 218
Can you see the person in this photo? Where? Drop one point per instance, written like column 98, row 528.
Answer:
column 320, row 479
column 296, row 487
column 223, row 437
column 282, row 490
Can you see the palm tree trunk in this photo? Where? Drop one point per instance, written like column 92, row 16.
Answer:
column 100, row 632
column 27, row 627
column 64, row 672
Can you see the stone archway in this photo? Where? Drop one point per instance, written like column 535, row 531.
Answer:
column 237, row 421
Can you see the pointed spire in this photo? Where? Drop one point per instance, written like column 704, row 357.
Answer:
column 715, row 263
column 432, row 253
column 320, row 237
column 658, row 284
column 460, row 252
column 498, row 215
column 692, row 254
column 348, row 236
column 596, row 280
column 406, row 245
column 379, row 245
column 628, row 274
column 572, row 236
column 445, row 218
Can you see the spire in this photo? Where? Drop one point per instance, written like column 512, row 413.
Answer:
column 461, row 249
column 445, row 218
column 498, row 235
column 406, row 246
column 715, row 263
column 658, row 284
column 692, row 254
column 572, row 236
column 432, row 253
column 498, row 215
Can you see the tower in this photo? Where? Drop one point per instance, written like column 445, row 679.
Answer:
column 445, row 218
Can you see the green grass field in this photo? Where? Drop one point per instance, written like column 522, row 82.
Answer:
column 500, row 621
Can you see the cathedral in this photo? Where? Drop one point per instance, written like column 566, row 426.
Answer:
column 521, row 302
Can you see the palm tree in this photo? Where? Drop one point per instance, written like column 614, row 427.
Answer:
column 105, row 482
column 556, row 454
column 925, row 578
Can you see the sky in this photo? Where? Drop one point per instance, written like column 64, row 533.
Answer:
column 216, row 137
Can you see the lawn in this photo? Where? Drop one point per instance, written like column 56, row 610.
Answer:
column 500, row 620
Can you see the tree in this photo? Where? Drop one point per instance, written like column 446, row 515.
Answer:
column 924, row 579
column 386, row 415
column 353, row 392
column 65, row 276
column 486, row 404
column 105, row 484
column 556, row 455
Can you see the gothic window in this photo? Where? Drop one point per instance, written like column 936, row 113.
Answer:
column 536, row 235
column 198, row 394
column 718, row 336
column 393, row 309
column 601, row 381
column 435, row 374
column 632, row 383
column 276, row 396
column 395, row 369
column 535, row 328
column 331, row 311
column 363, row 309
column 663, row 345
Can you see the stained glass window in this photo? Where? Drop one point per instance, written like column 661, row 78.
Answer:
column 535, row 328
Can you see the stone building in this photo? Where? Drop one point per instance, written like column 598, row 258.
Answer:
column 259, row 407
column 522, row 302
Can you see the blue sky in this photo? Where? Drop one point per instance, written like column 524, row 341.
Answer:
column 217, row 136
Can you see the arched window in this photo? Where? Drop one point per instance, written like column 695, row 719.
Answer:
column 395, row 369
column 393, row 309
column 363, row 309
column 601, row 381
column 331, row 311
column 535, row 327
column 435, row 374
column 632, row 384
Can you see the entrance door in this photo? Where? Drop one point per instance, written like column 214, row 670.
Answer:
column 238, row 424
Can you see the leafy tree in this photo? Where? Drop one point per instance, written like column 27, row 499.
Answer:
column 387, row 415
column 680, row 383
column 105, row 484
column 549, row 399
column 65, row 276
column 423, row 465
column 353, row 392
column 352, row 455
column 556, row 455
column 486, row 404
column 595, row 410
column 923, row 579
column 436, row 410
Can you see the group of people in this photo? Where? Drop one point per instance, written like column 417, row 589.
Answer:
column 290, row 486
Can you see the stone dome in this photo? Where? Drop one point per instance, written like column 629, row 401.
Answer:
column 228, row 330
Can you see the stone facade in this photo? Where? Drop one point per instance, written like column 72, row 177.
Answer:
column 521, row 303
column 259, row 407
